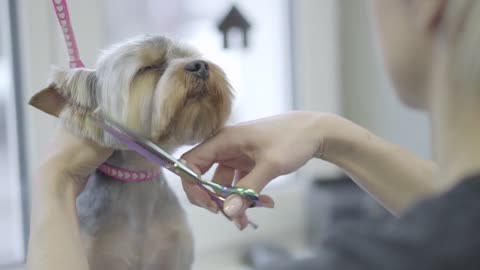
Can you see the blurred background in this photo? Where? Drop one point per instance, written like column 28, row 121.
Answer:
column 316, row 55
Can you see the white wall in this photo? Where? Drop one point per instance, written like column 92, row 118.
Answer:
column 42, row 47
column 368, row 98
column 316, row 55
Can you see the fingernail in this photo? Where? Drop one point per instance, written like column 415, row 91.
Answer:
column 213, row 208
column 237, row 224
column 267, row 205
column 233, row 206
column 202, row 205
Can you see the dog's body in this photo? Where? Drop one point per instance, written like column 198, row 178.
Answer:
column 166, row 93
column 133, row 225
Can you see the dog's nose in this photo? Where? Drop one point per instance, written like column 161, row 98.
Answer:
column 198, row 68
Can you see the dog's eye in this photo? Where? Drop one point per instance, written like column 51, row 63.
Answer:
column 157, row 67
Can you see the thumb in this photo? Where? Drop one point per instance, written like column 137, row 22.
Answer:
column 256, row 179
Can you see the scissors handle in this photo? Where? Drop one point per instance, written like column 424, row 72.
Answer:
column 219, row 200
column 181, row 169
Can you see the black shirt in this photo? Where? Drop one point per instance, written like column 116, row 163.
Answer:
column 438, row 233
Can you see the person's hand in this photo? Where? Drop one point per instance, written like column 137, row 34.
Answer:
column 254, row 153
column 70, row 160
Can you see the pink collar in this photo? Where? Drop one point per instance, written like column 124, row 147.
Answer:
column 61, row 10
column 127, row 175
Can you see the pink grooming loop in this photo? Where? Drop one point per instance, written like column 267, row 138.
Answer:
column 61, row 9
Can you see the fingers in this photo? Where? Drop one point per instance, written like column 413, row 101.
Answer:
column 216, row 148
column 256, row 179
column 198, row 197
column 229, row 150
column 242, row 221
column 224, row 175
column 235, row 206
column 201, row 158
column 195, row 194
column 266, row 201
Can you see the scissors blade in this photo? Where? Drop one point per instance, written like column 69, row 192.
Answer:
column 144, row 147
column 157, row 155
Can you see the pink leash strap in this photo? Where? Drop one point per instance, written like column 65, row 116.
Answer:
column 61, row 9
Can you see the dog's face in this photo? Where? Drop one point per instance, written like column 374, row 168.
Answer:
column 164, row 91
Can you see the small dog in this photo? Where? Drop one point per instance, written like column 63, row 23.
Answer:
column 165, row 92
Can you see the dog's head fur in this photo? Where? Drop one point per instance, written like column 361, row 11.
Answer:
column 152, row 85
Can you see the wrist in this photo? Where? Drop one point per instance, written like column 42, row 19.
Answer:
column 340, row 139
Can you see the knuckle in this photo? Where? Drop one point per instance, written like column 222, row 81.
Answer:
column 193, row 200
column 185, row 157
column 275, row 163
column 188, row 187
column 227, row 133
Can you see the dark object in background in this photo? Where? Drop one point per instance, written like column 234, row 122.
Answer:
column 266, row 256
column 234, row 19
column 336, row 202
column 331, row 203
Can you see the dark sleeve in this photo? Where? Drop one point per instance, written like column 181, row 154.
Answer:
column 441, row 233
column 360, row 246
column 371, row 246
column 438, row 233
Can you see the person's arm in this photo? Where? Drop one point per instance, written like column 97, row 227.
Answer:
column 393, row 175
column 54, row 234
column 254, row 153
column 55, row 241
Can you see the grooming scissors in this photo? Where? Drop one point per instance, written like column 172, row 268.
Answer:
column 154, row 153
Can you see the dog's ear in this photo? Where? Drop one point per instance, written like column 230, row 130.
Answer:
column 49, row 100
column 76, row 87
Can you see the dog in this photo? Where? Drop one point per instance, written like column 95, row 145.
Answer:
column 165, row 92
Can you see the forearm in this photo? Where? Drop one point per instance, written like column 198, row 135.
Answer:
column 54, row 234
column 394, row 176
